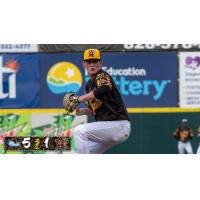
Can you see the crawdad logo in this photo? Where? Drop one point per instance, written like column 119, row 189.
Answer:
column 64, row 77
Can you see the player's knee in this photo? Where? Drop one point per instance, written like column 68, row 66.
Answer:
column 116, row 140
column 79, row 132
column 121, row 138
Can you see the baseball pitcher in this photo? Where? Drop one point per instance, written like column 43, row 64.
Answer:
column 104, row 101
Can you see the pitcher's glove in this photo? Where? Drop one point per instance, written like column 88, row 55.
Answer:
column 70, row 102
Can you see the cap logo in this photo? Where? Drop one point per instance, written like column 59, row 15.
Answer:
column 91, row 53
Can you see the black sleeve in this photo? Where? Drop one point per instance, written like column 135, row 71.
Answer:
column 86, row 88
column 102, row 91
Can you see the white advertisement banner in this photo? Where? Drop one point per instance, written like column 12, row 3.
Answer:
column 189, row 85
column 18, row 48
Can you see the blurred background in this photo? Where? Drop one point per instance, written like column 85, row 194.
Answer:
column 160, row 84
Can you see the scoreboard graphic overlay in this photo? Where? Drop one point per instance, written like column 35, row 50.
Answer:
column 37, row 143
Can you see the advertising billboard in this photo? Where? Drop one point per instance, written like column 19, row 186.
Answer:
column 19, row 48
column 144, row 80
column 189, row 76
column 19, row 81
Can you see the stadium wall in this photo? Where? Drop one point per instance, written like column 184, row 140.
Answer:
column 149, row 80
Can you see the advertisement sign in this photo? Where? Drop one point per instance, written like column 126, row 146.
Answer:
column 59, row 74
column 43, row 124
column 144, row 79
column 117, row 47
column 189, row 76
column 161, row 47
column 54, row 124
column 18, row 48
column 19, row 81
column 13, row 124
